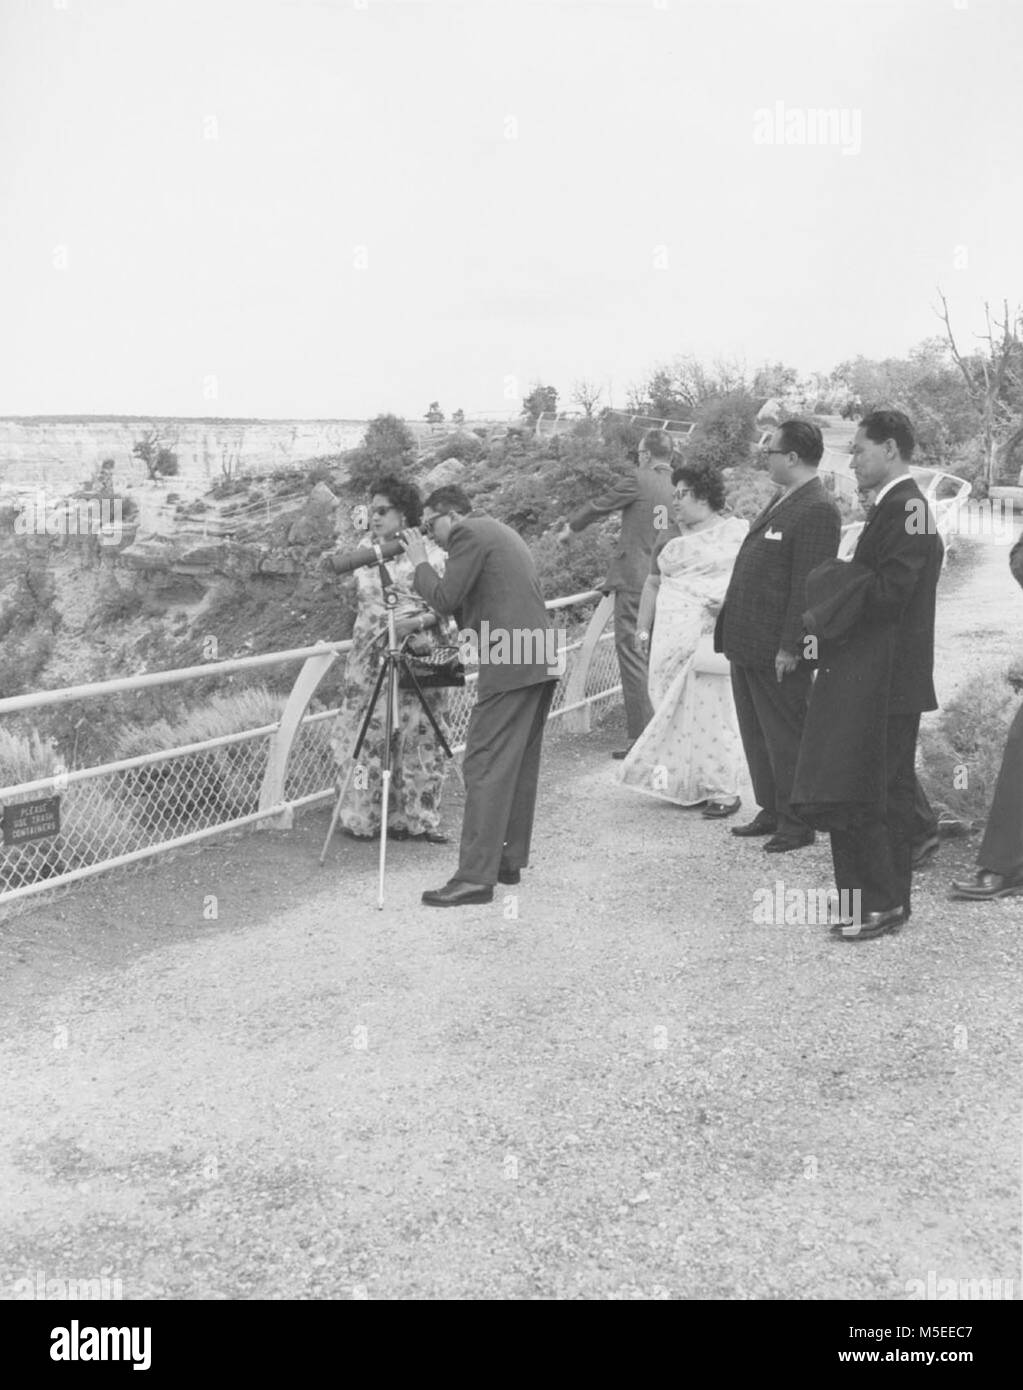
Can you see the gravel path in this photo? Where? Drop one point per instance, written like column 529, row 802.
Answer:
column 611, row 1083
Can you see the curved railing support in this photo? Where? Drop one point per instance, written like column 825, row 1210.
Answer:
column 271, row 793
column 578, row 720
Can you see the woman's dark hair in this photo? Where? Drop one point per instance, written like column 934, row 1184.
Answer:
column 704, row 481
column 402, row 496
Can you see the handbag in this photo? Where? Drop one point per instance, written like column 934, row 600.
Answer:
column 707, row 661
column 440, row 666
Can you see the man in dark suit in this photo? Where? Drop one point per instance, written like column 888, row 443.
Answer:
column 760, row 627
column 490, row 584
column 1000, row 858
column 895, row 569
column 644, row 497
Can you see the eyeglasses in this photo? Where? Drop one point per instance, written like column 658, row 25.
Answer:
column 683, row 492
column 429, row 522
column 382, row 511
column 769, row 452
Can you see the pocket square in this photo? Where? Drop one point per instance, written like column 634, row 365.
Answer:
column 770, row 535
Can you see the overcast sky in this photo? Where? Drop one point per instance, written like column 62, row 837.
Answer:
column 337, row 207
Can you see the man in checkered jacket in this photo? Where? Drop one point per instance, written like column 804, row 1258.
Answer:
column 760, row 628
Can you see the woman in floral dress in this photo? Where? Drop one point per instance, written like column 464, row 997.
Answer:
column 419, row 763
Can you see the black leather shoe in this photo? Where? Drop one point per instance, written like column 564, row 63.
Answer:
column 455, row 893
column 762, row 824
column 986, row 885
column 509, row 875
column 925, row 851
column 717, row 810
column 781, row 844
column 429, row 837
column 620, row 754
column 874, row 924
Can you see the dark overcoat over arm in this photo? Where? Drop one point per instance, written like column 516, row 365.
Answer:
column 621, row 494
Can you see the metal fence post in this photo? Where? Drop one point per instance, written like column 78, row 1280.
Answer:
column 271, row 793
column 578, row 720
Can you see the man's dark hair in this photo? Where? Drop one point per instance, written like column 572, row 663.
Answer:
column 449, row 499
column 404, row 496
column 804, row 439
column 658, row 443
column 704, row 481
column 881, row 425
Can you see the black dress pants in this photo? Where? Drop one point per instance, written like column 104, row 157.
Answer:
column 771, row 716
column 1001, row 849
column 501, row 768
column 875, row 854
column 633, row 666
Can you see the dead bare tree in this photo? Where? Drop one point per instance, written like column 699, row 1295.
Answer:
column 993, row 379
column 587, row 396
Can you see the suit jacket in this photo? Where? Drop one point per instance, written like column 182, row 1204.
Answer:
column 901, row 546
column 491, row 586
column 766, row 596
column 1016, row 561
column 644, row 498
column 841, row 770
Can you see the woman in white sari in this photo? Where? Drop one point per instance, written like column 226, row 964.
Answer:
column 690, row 752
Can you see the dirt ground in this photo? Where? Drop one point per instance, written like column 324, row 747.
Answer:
column 230, row 1076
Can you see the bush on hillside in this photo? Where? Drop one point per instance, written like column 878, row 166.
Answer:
column 725, row 430
column 965, row 746
column 465, row 447
column 388, row 446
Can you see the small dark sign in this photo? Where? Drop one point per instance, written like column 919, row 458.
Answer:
column 32, row 820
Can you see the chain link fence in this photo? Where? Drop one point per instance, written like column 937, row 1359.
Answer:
column 123, row 812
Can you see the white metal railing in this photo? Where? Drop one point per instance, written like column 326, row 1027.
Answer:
column 131, row 809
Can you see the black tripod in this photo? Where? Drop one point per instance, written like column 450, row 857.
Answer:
column 394, row 660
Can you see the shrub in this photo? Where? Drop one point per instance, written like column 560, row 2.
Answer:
column 967, row 743
column 571, row 568
column 725, row 430
column 467, row 448
column 748, row 491
column 94, row 824
column 225, row 780
column 388, row 446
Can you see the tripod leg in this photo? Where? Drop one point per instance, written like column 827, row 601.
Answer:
column 337, row 810
column 354, row 760
column 385, row 767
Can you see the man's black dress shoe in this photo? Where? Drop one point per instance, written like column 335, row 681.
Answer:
column 762, row 824
column 874, row 924
column 455, row 893
column 781, row 844
column 620, row 754
column 986, row 885
column 509, row 875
